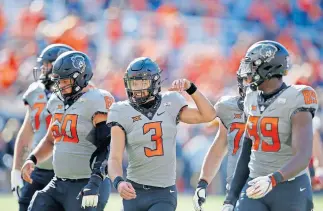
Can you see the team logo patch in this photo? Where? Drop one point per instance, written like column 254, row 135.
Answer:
column 41, row 97
column 237, row 116
column 268, row 52
column 254, row 108
column 136, row 118
column 78, row 62
column 59, row 106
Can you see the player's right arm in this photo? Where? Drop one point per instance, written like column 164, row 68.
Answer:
column 241, row 172
column 22, row 149
column 41, row 153
column 211, row 165
column 23, row 142
column 118, row 141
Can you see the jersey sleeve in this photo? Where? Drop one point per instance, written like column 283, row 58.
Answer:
column 99, row 103
column 306, row 100
column 29, row 94
column 52, row 104
column 115, row 117
column 316, row 123
column 176, row 102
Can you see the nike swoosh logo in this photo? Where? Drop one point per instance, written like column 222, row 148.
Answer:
column 158, row 114
column 302, row 189
column 85, row 189
column 171, row 191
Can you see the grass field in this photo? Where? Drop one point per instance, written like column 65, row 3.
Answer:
column 8, row 203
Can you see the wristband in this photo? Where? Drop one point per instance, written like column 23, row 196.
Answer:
column 276, row 178
column 117, row 181
column 192, row 89
column 202, row 184
column 32, row 158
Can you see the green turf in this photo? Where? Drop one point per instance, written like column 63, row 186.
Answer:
column 8, row 203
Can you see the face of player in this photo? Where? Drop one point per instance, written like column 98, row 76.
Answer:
column 65, row 85
column 139, row 88
column 46, row 67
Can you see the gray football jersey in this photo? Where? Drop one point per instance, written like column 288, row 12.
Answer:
column 73, row 131
column 36, row 97
column 270, row 126
column 150, row 142
column 232, row 117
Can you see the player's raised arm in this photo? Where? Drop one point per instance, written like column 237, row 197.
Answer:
column 211, row 165
column 42, row 152
column 204, row 112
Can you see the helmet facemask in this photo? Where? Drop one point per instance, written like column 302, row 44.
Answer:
column 142, row 89
column 73, row 84
column 42, row 71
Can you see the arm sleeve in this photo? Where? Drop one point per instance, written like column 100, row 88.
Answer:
column 306, row 100
column 241, row 173
column 176, row 102
column 115, row 117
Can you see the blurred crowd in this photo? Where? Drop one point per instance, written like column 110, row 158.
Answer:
column 202, row 40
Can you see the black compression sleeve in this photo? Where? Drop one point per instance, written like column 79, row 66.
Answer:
column 241, row 173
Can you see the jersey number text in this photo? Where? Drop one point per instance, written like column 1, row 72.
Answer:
column 69, row 121
column 268, row 128
column 40, row 107
column 240, row 127
column 157, row 137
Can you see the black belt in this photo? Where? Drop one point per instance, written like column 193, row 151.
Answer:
column 72, row 180
column 145, row 187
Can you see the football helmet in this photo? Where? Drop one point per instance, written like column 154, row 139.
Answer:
column 48, row 55
column 263, row 61
column 73, row 65
column 142, row 80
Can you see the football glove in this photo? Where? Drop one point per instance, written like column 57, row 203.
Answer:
column 200, row 195
column 16, row 182
column 259, row 187
column 90, row 192
column 228, row 207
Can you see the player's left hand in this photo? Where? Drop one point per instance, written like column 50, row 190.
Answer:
column 259, row 187
column 180, row 85
column 90, row 192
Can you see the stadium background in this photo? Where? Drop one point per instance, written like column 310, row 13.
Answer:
column 202, row 40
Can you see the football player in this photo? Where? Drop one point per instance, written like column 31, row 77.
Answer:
column 34, row 127
column 78, row 134
column 145, row 125
column 277, row 146
column 229, row 110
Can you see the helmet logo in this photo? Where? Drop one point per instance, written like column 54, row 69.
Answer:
column 78, row 62
column 268, row 52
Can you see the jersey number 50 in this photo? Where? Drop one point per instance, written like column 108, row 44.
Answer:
column 157, row 137
column 60, row 131
column 268, row 128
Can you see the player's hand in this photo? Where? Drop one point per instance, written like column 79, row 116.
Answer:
column 126, row 190
column 180, row 85
column 200, row 195
column 16, row 182
column 228, row 207
column 317, row 180
column 26, row 171
column 90, row 192
column 259, row 187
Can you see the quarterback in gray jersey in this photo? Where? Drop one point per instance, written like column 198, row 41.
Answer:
column 35, row 126
column 77, row 136
column 145, row 125
column 229, row 112
column 272, row 169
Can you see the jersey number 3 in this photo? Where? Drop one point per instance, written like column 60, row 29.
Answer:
column 60, row 131
column 268, row 128
column 157, row 137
